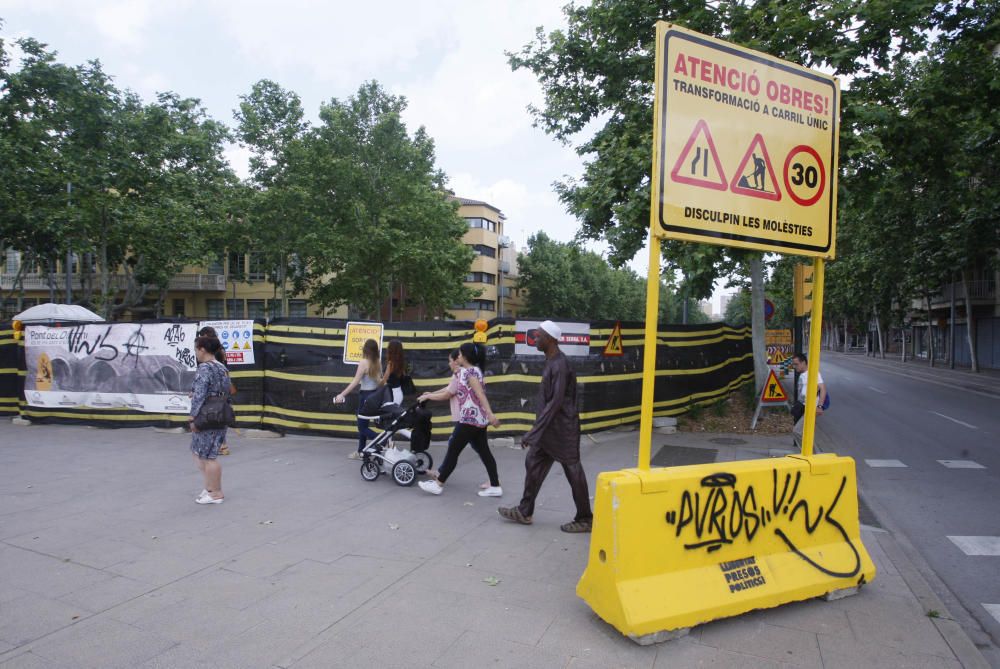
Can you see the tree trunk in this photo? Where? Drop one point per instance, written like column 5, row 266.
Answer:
column 970, row 323
column 52, row 278
column 930, row 331
column 847, row 344
column 284, row 286
column 757, row 321
column 105, row 270
column 878, row 334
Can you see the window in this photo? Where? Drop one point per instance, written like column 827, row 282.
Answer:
column 255, row 267
column 481, row 277
column 483, row 250
column 297, row 308
column 237, row 268
column 256, row 309
column 476, row 305
column 234, row 309
column 216, row 266
column 179, row 307
column 484, row 223
column 215, row 308
column 13, row 261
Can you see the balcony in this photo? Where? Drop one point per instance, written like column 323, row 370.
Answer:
column 980, row 292
column 207, row 282
column 196, row 282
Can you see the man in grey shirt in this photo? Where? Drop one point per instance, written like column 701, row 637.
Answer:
column 555, row 436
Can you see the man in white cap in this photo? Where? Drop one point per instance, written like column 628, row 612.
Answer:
column 555, row 436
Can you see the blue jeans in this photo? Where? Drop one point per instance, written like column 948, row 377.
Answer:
column 364, row 432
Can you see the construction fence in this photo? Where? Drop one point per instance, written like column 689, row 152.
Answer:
column 288, row 370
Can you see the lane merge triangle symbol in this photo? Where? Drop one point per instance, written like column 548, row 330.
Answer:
column 699, row 164
column 755, row 175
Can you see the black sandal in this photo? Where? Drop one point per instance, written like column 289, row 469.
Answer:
column 577, row 527
column 514, row 514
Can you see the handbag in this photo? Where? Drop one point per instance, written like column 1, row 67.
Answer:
column 216, row 413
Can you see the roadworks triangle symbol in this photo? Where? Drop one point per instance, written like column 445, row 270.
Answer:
column 757, row 180
column 693, row 166
column 615, row 345
column 773, row 392
column 247, row 347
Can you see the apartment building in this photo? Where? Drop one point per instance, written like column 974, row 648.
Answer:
column 237, row 286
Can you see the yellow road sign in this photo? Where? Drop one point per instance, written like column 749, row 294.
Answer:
column 772, row 390
column 615, row 347
column 675, row 547
column 356, row 336
column 745, row 147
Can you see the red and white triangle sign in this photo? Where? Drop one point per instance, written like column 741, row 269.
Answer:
column 760, row 182
column 693, row 166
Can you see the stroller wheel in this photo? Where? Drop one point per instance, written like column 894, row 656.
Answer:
column 404, row 473
column 424, row 461
column 369, row 470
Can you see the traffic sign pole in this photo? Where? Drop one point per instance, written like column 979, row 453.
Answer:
column 815, row 333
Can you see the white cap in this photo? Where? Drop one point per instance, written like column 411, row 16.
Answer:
column 551, row 329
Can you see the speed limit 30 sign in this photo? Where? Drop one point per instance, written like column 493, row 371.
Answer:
column 745, row 147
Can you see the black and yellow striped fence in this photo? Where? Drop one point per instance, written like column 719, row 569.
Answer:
column 299, row 368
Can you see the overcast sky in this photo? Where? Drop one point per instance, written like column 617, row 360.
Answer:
column 446, row 57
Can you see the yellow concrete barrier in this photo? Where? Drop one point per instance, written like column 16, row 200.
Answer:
column 676, row 547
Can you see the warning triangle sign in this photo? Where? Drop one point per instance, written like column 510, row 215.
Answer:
column 615, row 345
column 246, row 346
column 773, row 392
column 699, row 164
column 755, row 175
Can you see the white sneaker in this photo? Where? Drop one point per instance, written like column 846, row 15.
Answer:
column 492, row 491
column 433, row 487
column 354, row 455
column 208, row 499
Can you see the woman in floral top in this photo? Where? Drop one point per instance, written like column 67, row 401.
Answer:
column 474, row 416
column 212, row 378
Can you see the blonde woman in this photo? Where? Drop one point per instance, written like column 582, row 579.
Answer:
column 367, row 376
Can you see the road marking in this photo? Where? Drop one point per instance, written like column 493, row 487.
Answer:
column 978, row 545
column 961, row 464
column 884, row 463
column 954, row 420
column 877, row 390
column 994, row 610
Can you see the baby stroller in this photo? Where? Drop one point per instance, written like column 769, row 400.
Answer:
column 381, row 456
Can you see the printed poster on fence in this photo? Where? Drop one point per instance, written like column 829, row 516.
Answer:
column 575, row 339
column 145, row 367
column 236, row 338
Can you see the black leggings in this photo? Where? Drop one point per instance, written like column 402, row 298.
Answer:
column 468, row 435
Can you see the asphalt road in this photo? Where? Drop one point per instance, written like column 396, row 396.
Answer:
column 949, row 511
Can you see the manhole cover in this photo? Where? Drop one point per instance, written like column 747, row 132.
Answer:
column 727, row 441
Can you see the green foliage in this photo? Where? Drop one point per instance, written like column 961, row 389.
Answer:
column 383, row 215
column 136, row 188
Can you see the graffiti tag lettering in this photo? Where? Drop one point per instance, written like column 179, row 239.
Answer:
column 720, row 512
column 77, row 342
column 174, row 335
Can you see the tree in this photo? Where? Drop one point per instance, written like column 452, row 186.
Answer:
column 565, row 281
column 133, row 189
column 599, row 70
column 385, row 218
column 277, row 210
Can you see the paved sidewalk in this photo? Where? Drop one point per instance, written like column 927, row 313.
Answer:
column 106, row 561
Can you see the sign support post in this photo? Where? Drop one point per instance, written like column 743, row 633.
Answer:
column 815, row 334
column 649, row 353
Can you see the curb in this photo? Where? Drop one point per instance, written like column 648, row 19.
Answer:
column 905, row 558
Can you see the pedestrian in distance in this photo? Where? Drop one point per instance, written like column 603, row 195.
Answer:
column 220, row 356
column 367, row 377
column 801, row 366
column 474, row 417
column 211, row 379
column 555, row 436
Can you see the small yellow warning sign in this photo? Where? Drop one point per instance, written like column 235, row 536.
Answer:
column 773, row 392
column 615, row 346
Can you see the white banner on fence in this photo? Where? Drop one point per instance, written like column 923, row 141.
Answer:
column 236, row 338
column 575, row 338
column 146, row 367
